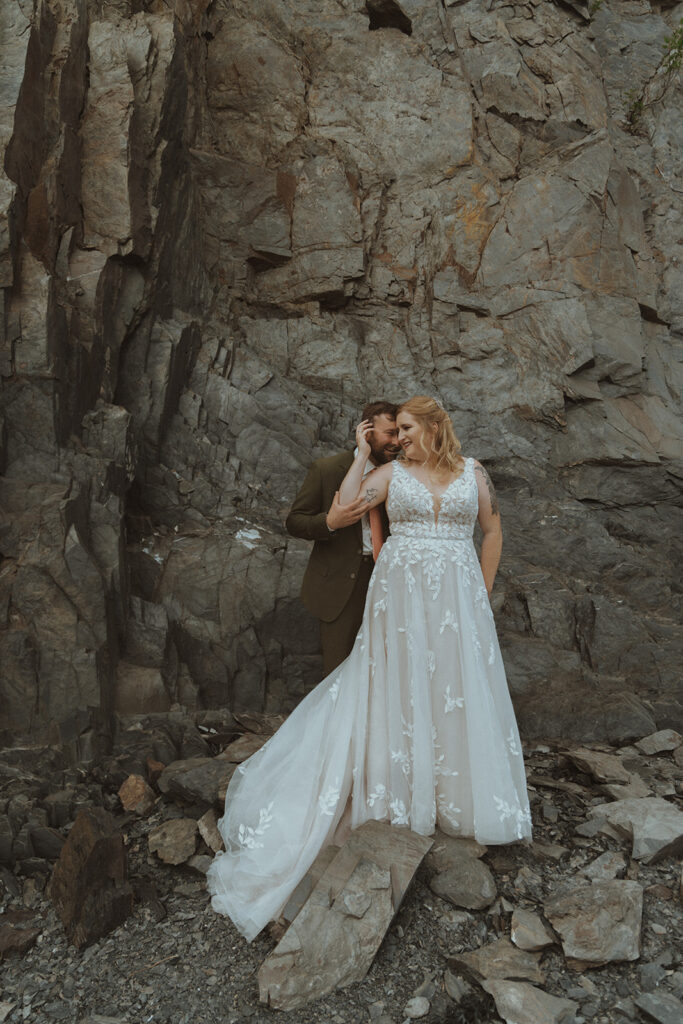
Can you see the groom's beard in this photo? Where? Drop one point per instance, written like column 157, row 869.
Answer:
column 387, row 453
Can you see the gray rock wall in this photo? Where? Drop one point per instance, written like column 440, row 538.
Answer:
column 228, row 225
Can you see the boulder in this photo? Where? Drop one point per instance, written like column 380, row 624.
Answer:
column 89, row 887
column 197, row 780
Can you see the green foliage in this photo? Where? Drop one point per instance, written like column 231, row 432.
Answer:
column 640, row 100
column 595, row 7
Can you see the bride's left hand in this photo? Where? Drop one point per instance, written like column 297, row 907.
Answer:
column 362, row 431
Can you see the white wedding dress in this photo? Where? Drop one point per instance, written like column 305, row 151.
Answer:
column 416, row 727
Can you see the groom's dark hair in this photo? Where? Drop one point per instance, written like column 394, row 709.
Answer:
column 379, row 408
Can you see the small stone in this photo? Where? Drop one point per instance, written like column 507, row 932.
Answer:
column 208, row 830
column 588, row 986
column 455, row 986
column 550, row 811
column 468, row 883
column 607, row 865
column 15, row 941
column 528, row 931
column 200, row 862
column 137, row 796
column 650, row 976
column 549, row 851
column 416, row 1007
column 500, row 959
column 47, row 842
column 448, row 852
column 626, row 1009
column 174, row 841
column 154, row 770
column 659, row 742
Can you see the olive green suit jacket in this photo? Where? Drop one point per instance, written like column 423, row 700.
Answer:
column 332, row 569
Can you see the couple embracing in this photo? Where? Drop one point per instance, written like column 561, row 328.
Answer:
column 413, row 722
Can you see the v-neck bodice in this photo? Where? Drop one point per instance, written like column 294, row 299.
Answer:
column 416, row 511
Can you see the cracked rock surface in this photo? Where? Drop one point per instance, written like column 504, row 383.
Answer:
column 228, row 224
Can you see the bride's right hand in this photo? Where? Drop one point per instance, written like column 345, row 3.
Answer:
column 362, row 431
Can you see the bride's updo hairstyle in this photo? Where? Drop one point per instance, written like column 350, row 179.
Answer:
column 445, row 447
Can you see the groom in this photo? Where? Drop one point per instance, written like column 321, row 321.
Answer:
column 337, row 576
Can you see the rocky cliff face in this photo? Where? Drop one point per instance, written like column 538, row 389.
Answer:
column 227, row 225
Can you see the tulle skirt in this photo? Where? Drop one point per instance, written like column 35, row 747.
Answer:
column 416, row 727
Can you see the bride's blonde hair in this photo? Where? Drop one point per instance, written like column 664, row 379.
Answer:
column 445, row 446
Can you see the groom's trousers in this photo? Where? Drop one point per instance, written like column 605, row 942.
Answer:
column 337, row 637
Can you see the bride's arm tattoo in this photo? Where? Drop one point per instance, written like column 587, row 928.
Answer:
column 370, row 494
column 492, row 493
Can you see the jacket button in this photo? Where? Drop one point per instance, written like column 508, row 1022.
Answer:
column 352, row 575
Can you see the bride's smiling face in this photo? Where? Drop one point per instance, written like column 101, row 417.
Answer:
column 412, row 438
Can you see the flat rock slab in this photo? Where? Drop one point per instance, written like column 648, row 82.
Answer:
column 660, row 742
column 89, row 885
column 598, row 921
column 661, row 1007
column 500, row 959
column 520, row 1003
column 309, row 882
column 634, row 789
column 603, row 767
column 655, row 825
column 334, row 938
column 529, row 932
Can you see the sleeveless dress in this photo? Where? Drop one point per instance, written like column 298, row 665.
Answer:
column 416, row 727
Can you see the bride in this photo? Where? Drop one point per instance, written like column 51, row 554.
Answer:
column 416, row 727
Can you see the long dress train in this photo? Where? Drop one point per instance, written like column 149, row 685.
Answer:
column 416, row 726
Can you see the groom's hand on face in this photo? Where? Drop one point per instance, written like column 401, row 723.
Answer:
column 340, row 515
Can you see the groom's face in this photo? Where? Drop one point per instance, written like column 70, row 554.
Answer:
column 383, row 439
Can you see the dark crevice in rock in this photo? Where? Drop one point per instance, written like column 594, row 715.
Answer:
column 651, row 315
column 388, row 14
